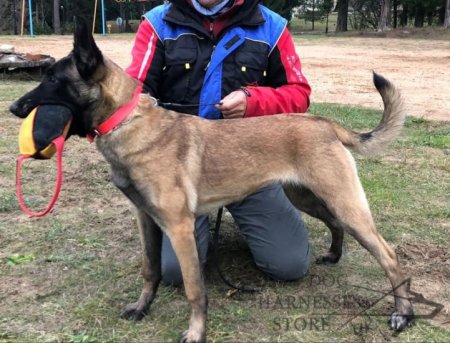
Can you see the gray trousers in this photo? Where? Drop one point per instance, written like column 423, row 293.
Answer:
column 273, row 229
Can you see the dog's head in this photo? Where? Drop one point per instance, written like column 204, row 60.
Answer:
column 71, row 82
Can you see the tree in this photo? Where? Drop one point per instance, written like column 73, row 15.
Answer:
column 447, row 15
column 56, row 17
column 380, row 14
column 311, row 10
column 423, row 11
column 385, row 14
column 342, row 19
column 419, row 16
column 366, row 14
column 395, row 13
column 282, row 7
column 326, row 7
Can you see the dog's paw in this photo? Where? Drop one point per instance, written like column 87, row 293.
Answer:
column 192, row 337
column 133, row 312
column 328, row 258
column 400, row 322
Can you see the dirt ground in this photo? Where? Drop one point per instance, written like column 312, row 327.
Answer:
column 339, row 69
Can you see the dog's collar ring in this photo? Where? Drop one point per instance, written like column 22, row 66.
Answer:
column 155, row 101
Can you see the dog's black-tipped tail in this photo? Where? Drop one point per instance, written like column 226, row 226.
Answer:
column 379, row 81
column 388, row 129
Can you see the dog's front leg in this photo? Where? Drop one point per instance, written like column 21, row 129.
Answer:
column 182, row 238
column 151, row 239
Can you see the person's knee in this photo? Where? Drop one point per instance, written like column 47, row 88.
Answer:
column 288, row 266
column 171, row 274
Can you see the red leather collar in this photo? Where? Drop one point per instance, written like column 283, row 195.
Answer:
column 116, row 118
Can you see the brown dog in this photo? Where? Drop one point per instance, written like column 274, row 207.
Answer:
column 174, row 166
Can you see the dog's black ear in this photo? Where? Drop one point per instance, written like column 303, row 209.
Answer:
column 88, row 56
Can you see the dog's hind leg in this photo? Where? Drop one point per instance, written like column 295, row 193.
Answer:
column 305, row 200
column 151, row 238
column 335, row 251
column 336, row 182
column 360, row 225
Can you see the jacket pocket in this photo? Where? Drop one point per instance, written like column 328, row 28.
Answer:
column 252, row 67
column 178, row 74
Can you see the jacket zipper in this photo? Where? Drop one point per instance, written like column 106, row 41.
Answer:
column 211, row 35
column 212, row 53
column 211, row 30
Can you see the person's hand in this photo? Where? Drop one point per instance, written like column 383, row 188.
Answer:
column 233, row 105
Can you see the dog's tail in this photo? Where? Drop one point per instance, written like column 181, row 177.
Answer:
column 388, row 129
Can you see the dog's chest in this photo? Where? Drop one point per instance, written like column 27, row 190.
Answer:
column 107, row 148
column 109, row 151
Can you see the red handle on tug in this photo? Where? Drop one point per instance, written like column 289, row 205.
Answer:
column 59, row 144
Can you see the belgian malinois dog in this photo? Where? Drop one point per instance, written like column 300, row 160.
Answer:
column 175, row 166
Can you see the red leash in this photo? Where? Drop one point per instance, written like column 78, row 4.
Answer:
column 59, row 144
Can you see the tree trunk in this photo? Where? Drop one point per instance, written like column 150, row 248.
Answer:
column 313, row 15
column 430, row 18
column 384, row 17
column 14, row 10
column 37, row 16
column 342, row 6
column 56, row 18
column 447, row 15
column 395, row 3
column 404, row 16
column 127, row 19
column 419, row 17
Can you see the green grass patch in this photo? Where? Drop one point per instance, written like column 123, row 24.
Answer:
column 8, row 201
column 15, row 259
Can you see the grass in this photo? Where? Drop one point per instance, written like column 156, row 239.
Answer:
column 85, row 256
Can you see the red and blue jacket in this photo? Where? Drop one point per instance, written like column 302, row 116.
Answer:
column 182, row 57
